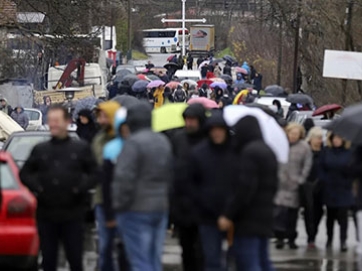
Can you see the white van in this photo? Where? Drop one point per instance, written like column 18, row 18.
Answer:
column 188, row 74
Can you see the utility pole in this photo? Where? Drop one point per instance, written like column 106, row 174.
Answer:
column 348, row 25
column 129, row 55
column 296, row 48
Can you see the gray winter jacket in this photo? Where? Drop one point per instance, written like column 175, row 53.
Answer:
column 21, row 118
column 294, row 174
column 144, row 168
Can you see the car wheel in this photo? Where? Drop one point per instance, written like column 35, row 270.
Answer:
column 163, row 50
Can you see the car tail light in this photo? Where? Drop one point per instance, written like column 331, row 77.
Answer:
column 20, row 207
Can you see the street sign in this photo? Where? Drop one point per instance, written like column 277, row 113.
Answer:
column 342, row 65
column 183, row 21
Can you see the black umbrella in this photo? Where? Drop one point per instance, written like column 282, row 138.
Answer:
column 275, row 90
column 349, row 125
column 217, row 60
column 130, row 79
column 126, row 100
column 153, row 77
column 226, row 78
column 242, row 86
column 229, row 58
column 171, row 65
column 120, row 75
column 140, row 86
column 299, row 98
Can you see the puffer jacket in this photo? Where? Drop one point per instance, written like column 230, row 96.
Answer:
column 21, row 118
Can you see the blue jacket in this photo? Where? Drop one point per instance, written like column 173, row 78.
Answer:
column 111, row 152
column 335, row 175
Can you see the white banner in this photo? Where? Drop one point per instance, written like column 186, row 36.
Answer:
column 342, row 65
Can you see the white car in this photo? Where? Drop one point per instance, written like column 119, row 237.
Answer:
column 194, row 75
column 35, row 119
column 268, row 101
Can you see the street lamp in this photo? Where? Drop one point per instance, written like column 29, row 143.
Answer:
column 69, row 94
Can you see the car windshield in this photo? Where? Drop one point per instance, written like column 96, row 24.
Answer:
column 7, row 178
column 21, row 146
column 32, row 115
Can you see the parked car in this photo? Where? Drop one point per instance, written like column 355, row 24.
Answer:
column 20, row 144
column 19, row 240
column 301, row 116
column 35, row 119
column 131, row 68
column 268, row 101
column 191, row 75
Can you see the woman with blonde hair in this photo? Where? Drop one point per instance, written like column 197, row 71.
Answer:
column 311, row 197
column 337, row 180
column 292, row 176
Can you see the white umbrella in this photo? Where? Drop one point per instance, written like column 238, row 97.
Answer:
column 273, row 134
column 206, row 62
column 189, row 81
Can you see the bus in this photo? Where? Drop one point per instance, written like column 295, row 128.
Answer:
column 166, row 40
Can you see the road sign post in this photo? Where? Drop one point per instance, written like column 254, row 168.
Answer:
column 183, row 21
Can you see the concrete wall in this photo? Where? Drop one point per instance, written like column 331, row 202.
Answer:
column 17, row 93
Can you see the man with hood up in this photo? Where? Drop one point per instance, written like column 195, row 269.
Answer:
column 20, row 117
column 140, row 190
column 5, row 107
column 250, row 207
column 182, row 209
column 106, row 230
column 213, row 170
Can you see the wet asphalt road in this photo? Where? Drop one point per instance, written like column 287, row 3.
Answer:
column 284, row 260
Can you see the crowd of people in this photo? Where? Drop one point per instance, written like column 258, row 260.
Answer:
column 210, row 181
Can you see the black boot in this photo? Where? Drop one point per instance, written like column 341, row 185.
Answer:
column 292, row 244
column 344, row 246
column 329, row 244
column 279, row 244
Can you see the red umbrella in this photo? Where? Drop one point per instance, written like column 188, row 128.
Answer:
column 173, row 84
column 241, row 70
column 207, row 103
column 170, row 57
column 142, row 77
column 204, row 81
column 327, row 108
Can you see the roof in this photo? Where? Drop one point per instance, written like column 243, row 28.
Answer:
column 30, row 17
column 7, row 12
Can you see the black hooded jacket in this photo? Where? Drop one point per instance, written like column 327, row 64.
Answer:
column 213, row 170
column 182, row 209
column 86, row 131
column 255, row 185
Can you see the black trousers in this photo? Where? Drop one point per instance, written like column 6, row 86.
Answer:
column 192, row 256
column 290, row 231
column 339, row 214
column 70, row 234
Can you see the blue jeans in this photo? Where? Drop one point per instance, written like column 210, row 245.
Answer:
column 211, row 239
column 106, row 240
column 252, row 254
column 143, row 235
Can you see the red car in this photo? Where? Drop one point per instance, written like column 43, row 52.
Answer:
column 19, row 240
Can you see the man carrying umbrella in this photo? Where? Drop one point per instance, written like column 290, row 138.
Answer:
column 182, row 210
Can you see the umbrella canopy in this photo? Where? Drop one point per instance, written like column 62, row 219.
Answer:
column 171, row 66
column 126, row 100
column 173, row 84
column 327, row 108
column 190, row 82
column 170, row 57
column 241, row 70
column 206, row 62
column 120, row 75
column 299, row 98
column 204, row 81
column 273, row 134
column 275, row 90
column 142, row 77
column 226, row 77
column 155, row 84
column 349, row 125
column 229, row 58
column 221, row 85
column 153, row 77
column 207, row 103
column 263, row 107
column 217, row 79
column 130, row 79
column 140, row 86
column 85, row 103
column 168, row 117
column 242, row 86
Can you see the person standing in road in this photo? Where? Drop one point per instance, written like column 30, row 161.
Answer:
column 142, row 175
column 212, row 174
column 182, row 208
column 190, row 62
column 149, row 65
column 335, row 175
column 45, row 107
column 251, row 206
column 106, row 229
column 311, row 189
column 20, row 117
column 60, row 172
column 292, row 176
column 5, row 107
column 86, row 128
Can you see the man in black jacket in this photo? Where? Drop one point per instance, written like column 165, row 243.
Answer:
column 182, row 209
column 60, row 173
column 251, row 206
column 213, row 172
